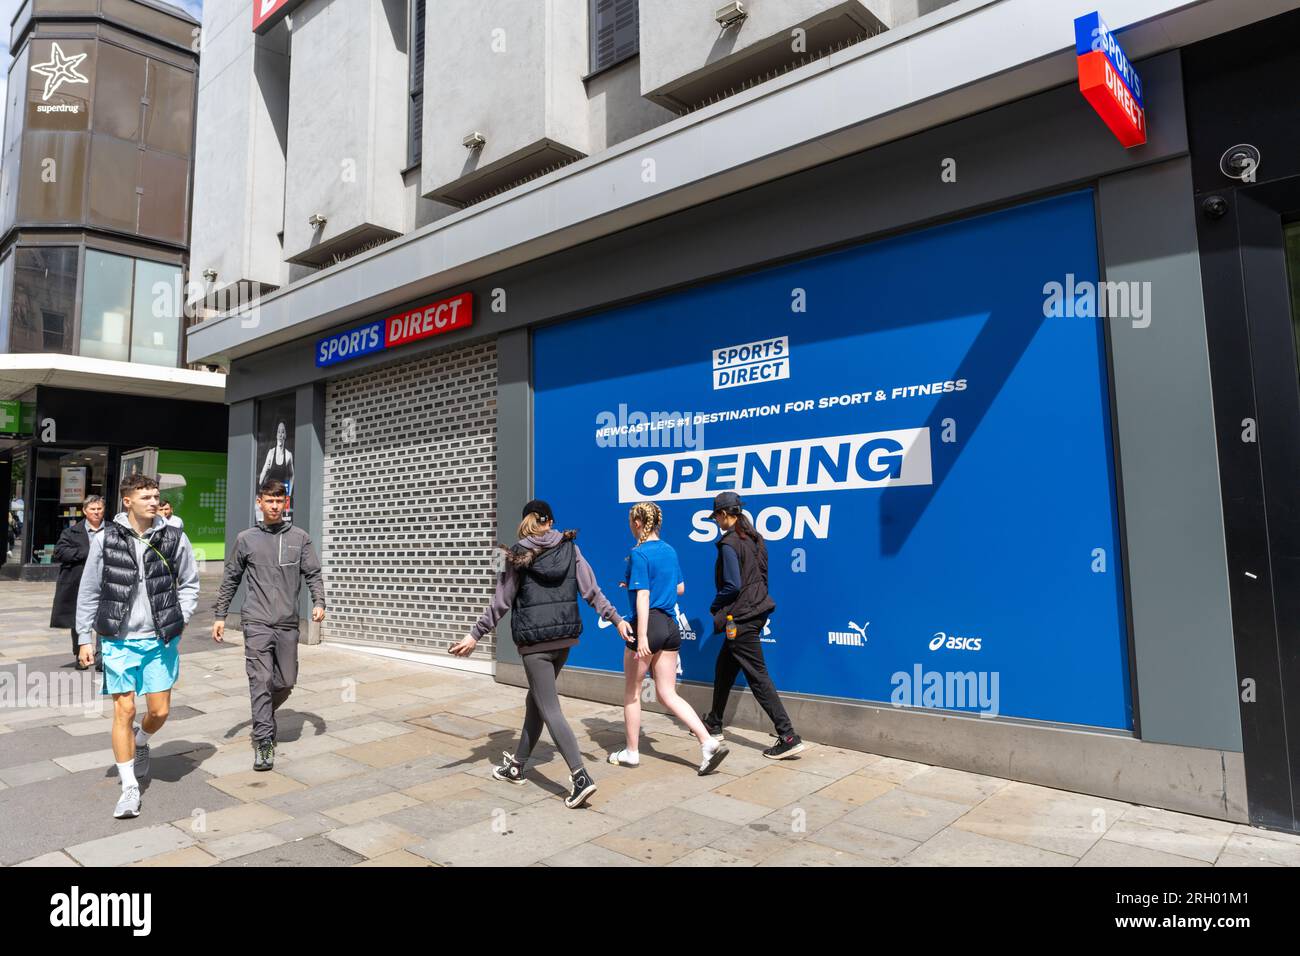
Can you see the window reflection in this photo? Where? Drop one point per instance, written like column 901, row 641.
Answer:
column 106, row 306
column 45, row 295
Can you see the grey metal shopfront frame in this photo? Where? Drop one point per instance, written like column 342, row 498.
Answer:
column 1189, row 755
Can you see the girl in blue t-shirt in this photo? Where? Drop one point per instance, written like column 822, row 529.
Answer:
column 654, row 582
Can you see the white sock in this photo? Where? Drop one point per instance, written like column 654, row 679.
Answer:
column 141, row 738
column 710, row 746
column 127, row 772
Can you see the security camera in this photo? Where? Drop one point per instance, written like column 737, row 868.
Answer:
column 1216, row 207
column 316, row 220
column 474, row 140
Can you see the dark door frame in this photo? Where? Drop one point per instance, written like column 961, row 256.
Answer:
column 1253, row 365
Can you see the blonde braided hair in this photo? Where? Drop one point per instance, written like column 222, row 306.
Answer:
column 651, row 518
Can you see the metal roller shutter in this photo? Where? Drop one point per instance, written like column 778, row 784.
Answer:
column 410, row 500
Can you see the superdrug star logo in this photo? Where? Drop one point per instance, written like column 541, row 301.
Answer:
column 61, row 69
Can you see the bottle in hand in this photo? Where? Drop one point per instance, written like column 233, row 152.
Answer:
column 731, row 628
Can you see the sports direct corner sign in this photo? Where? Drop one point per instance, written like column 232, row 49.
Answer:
column 411, row 325
column 1108, row 81
column 267, row 13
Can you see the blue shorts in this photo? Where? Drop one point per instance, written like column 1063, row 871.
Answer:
column 140, row 665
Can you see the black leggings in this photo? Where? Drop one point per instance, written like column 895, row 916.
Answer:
column 543, row 707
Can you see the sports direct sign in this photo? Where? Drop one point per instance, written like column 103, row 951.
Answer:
column 412, row 325
column 1108, row 81
column 267, row 13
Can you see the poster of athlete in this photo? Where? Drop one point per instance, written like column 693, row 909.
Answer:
column 274, row 457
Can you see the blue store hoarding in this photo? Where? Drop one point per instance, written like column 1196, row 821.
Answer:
column 928, row 455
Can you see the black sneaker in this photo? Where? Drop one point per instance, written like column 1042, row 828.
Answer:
column 582, row 787
column 263, row 754
column 784, row 747
column 511, row 770
column 713, row 726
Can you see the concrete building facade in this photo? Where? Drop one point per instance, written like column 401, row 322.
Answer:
column 756, row 198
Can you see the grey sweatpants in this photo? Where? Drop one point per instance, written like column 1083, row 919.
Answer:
column 543, row 707
column 271, row 659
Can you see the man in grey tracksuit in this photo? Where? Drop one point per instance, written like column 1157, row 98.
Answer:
column 273, row 557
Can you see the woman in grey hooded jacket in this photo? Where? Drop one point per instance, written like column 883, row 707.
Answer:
column 543, row 576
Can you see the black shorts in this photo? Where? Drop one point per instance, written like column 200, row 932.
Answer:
column 662, row 632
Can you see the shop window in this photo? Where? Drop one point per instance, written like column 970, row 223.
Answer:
column 106, row 306
column 44, row 300
column 62, row 480
column 155, row 318
column 614, row 28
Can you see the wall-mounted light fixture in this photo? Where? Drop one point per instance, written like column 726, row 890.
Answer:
column 316, row 220
column 731, row 14
column 474, row 140
column 210, row 275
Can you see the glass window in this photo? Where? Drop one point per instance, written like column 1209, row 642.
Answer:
column 53, row 183
column 156, row 318
column 119, row 89
column 58, row 473
column 114, row 173
column 45, row 297
column 60, row 82
column 17, row 507
column 163, row 194
column 106, row 306
column 14, row 99
column 171, row 109
column 6, row 281
column 1292, row 234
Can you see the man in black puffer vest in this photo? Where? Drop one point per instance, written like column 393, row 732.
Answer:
column 137, row 592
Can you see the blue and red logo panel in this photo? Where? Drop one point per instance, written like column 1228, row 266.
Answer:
column 1108, row 80
column 411, row 325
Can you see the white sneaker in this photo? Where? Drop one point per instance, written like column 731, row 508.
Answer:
column 711, row 754
column 622, row 758
column 129, row 805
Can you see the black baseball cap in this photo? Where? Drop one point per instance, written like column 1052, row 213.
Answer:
column 726, row 501
column 540, row 508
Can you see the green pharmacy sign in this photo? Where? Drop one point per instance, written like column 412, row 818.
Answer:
column 17, row 418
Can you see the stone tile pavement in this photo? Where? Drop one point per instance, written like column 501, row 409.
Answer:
column 387, row 763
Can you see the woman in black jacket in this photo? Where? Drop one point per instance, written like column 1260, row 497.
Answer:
column 71, row 552
column 741, row 578
column 543, row 576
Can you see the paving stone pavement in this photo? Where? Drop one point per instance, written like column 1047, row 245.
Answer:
column 388, row 763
